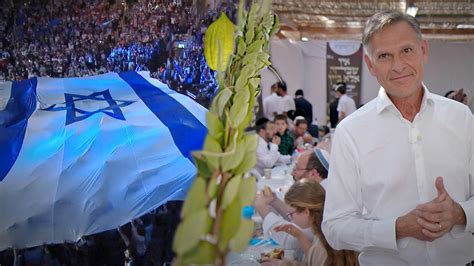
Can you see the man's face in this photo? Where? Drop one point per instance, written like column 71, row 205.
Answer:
column 280, row 91
column 321, row 133
column 281, row 126
column 299, row 170
column 270, row 131
column 273, row 89
column 301, row 129
column 397, row 60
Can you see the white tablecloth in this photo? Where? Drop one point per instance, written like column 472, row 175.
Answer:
column 280, row 181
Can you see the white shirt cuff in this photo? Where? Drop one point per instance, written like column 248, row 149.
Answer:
column 468, row 208
column 383, row 234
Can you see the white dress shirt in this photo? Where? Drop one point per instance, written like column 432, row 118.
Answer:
column 271, row 104
column 383, row 166
column 346, row 104
column 268, row 155
column 288, row 103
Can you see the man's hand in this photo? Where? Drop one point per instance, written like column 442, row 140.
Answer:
column 438, row 216
column 407, row 226
column 276, row 140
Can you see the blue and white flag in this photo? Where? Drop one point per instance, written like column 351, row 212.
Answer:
column 80, row 156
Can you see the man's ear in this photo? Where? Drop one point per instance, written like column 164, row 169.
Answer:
column 369, row 64
column 315, row 175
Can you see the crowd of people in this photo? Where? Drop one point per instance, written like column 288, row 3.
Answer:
column 144, row 241
column 89, row 37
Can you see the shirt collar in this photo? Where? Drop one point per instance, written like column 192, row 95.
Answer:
column 384, row 101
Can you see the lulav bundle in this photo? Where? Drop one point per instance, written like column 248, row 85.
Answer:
column 212, row 224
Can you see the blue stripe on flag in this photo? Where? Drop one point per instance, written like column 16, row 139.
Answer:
column 14, row 121
column 188, row 133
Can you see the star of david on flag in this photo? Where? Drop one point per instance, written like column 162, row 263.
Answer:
column 80, row 107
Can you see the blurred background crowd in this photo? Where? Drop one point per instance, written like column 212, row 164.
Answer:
column 89, row 37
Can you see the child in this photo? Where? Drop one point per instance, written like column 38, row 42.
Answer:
column 286, row 145
column 306, row 201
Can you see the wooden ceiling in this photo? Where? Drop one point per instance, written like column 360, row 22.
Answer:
column 309, row 19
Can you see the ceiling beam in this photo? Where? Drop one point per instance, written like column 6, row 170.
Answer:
column 355, row 33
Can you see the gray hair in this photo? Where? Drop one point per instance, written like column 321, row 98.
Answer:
column 384, row 18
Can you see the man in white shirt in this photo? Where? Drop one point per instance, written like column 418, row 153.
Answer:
column 267, row 147
column 401, row 183
column 287, row 102
column 272, row 103
column 346, row 104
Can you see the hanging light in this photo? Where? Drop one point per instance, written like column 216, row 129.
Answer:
column 412, row 10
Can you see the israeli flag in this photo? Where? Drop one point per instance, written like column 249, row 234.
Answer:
column 80, row 156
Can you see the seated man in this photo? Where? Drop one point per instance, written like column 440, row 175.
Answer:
column 300, row 134
column 312, row 164
column 267, row 147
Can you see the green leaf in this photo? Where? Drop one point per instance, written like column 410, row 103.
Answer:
column 190, row 231
column 249, row 35
column 247, row 72
column 249, row 161
column 276, row 25
column 251, row 20
column 241, row 97
column 196, row 197
column 224, row 97
column 214, row 126
column 213, row 161
column 250, row 59
column 250, row 157
column 267, row 23
column 212, row 188
column 255, row 82
column 242, row 237
column 201, row 164
column 205, row 253
column 211, row 144
column 241, row 16
column 247, row 190
column 234, row 156
column 251, row 110
column 251, row 141
column 239, row 109
column 238, row 113
column 264, row 8
column 256, row 46
column 241, row 46
column 230, row 191
column 264, row 57
column 231, row 220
